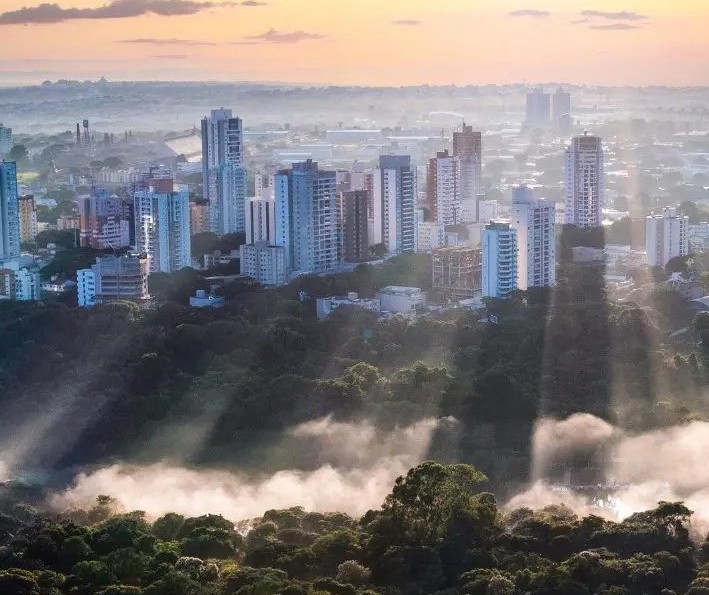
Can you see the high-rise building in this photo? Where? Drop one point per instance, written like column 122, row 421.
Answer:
column 499, row 255
column 113, row 278
column 261, row 221
column 442, row 189
column 666, row 237
column 355, row 232
column 533, row 220
column 162, row 228
column 538, row 107
column 223, row 173
column 104, row 220
column 395, row 204
column 199, row 217
column 561, row 104
column 5, row 139
column 9, row 212
column 467, row 147
column 457, row 271
column 308, row 218
column 266, row 264
column 583, row 195
column 28, row 218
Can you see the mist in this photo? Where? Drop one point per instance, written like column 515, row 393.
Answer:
column 641, row 469
column 358, row 466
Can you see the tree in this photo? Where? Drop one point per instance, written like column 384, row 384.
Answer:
column 18, row 153
column 352, row 572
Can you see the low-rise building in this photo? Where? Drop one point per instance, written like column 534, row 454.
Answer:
column 396, row 299
column 325, row 306
column 266, row 264
column 20, row 284
column 113, row 278
column 202, row 299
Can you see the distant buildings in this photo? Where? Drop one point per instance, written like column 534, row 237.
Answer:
column 584, row 177
column 223, row 173
column 467, row 148
column 104, row 221
column 307, row 218
column 68, row 222
column 562, row 105
column 28, row 218
column 5, row 139
column 264, row 263
column 202, row 299
column 394, row 204
column 533, row 220
column 666, row 237
column 443, row 191
column 538, row 107
column 19, row 283
column 113, row 278
column 9, row 211
column 355, row 204
column 457, row 272
column 162, row 226
column 499, row 255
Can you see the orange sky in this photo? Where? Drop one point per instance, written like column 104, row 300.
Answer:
column 359, row 42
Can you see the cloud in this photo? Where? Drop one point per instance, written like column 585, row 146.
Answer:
column 171, row 41
column 406, row 22
column 580, row 21
column 530, row 12
column 252, row 3
column 114, row 9
column 358, row 465
column 623, row 15
column 274, row 36
column 170, row 56
column 614, row 27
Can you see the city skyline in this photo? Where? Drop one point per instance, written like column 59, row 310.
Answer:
column 592, row 42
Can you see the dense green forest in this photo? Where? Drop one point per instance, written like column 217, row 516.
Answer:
column 438, row 532
column 87, row 386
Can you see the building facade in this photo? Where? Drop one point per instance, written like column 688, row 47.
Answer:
column 395, row 204
column 533, row 220
column 28, row 218
column 355, row 227
column 162, row 228
column 467, row 148
column 499, row 260
column 261, row 221
column 457, row 272
column 308, row 218
column 442, row 189
column 266, row 264
column 223, row 173
column 584, row 179
column 9, row 211
column 104, row 221
column 538, row 107
column 113, row 278
column 666, row 237
column 5, row 139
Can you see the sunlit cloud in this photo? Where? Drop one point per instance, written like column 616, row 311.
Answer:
column 406, row 22
column 530, row 12
column 274, row 36
column 116, row 9
column 171, row 41
column 614, row 27
column 623, row 15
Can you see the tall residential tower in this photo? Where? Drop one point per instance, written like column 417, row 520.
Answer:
column 583, row 195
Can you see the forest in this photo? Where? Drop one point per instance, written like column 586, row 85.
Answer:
column 438, row 531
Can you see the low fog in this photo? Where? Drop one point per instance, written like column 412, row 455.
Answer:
column 667, row 464
column 359, row 464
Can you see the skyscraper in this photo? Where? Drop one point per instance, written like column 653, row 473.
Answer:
column 394, row 204
column 442, row 189
column 9, row 212
column 162, row 228
column 583, row 195
column 5, row 139
column 260, row 220
column 538, row 107
column 307, row 218
column 223, row 173
column 104, row 220
column 666, row 237
column 467, row 148
column 499, row 254
column 28, row 218
column 561, row 105
column 354, row 225
column 533, row 220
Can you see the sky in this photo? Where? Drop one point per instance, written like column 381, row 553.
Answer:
column 358, row 42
